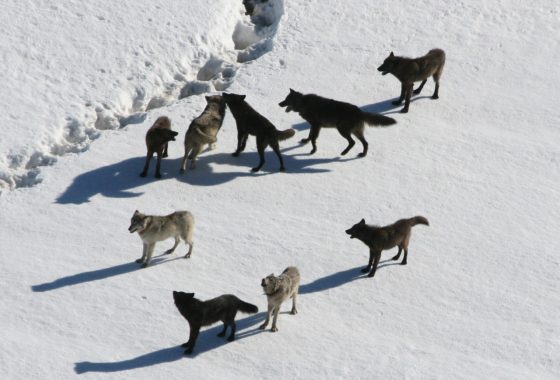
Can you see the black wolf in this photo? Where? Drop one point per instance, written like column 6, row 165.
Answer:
column 250, row 122
column 203, row 313
column 322, row 112
column 410, row 70
column 381, row 238
column 157, row 138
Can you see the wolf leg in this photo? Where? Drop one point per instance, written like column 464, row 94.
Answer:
column 375, row 263
column 268, row 314
column 401, row 97
column 233, row 327
column 144, row 251
column 147, row 164
column 403, row 262
column 408, row 94
column 276, row 149
column 370, row 262
column 261, row 145
column 313, row 134
column 172, row 249
column 192, row 340
column 189, row 253
column 275, row 318
column 149, row 252
column 347, row 136
column 396, row 257
column 419, row 89
column 164, row 153
column 436, row 91
column 360, row 135
column 294, row 307
column 158, row 165
column 223, row 332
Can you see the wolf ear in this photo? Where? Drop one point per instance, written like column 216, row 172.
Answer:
column 363, row 221
column 391, row 55
column 136, row 212
column 242, row 97
column 291, row 90
column 207, row 98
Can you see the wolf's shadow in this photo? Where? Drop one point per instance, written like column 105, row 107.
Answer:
column 119, row 179
column 99, row 274
column 206, row 341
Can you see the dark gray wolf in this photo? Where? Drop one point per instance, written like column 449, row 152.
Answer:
column 250, row 122
column 381, row 238
column 203, row 313
column 322, row 112
column 157, row 138
column 410, row 70
column 277, row 290
column 203, row 130
column 152, row 229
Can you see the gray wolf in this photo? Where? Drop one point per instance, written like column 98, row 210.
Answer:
column 381, row 238
column 157, row 138
column 203, row 313
column 410, row 70
column 250, row 122
column 345, row 117
column 203, row 130
column 277, row 290
column 152, row 229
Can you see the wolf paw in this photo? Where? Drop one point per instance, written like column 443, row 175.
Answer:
column 186, row 344
column 371, row 274
column 263, row 326
column 404, row 110
column 254, row 170
column 293, row 312
column 365, row 270
column 142, row 174
column 435, row 97
column 303, row 141
column 139, row 261
column 403, row 263
column 361, row 155
column 231, row 339
column 168, row 252
column 145, row 265
column 188, row 351
column 274, row 329
column 235, row 154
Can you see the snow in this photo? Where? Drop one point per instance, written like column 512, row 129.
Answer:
column 83, row 82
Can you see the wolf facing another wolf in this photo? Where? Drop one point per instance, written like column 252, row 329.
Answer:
column 151, row 229
column 320, row 112
column 410, row 70
column 379, row 239
column 157, row 139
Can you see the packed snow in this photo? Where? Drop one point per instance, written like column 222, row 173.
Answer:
column 82, row 83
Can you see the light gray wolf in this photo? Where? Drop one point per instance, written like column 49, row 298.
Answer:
column 381, row 238
column 345, row 117
column 152, row 229
column 203, row 313
column 410, row 70
column 277, row 290
column 250, row 122
column 157, row 138
column 203, row 130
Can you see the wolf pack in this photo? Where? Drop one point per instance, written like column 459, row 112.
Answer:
column 319, row 112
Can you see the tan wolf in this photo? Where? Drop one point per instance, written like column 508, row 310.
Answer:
column 381, row 238
column 157, row 138
column 277, row 290
column 203, row 130
column 152, row 229
column 410, row 70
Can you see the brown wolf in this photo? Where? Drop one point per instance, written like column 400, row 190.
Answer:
column 203, row 130
column 157, row 138
column 203, row 313
column 250, row 122
column 410, row 70
column 381, row 238
column 322, row 112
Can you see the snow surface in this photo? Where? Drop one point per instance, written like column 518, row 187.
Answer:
column 83, row 82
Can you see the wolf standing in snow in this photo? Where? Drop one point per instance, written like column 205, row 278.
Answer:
column 203, row 313
column 152, row 229
column 157, row 138
column 277, row 290
column 345, row 117
column 381, row 238
column 250, row 122
column 410, row 70
column 203, row 130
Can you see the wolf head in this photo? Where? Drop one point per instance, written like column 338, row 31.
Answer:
column 355, row 230
column 389, row 64
column 292, row 101
column 138, row 222
column 233, row 98
column 269, row 284
column 181, row 298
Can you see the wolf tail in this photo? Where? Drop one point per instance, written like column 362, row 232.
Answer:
column 247, row 307
column 418, row 220
column 211, row 139
column 377, row 119
column 286, row 134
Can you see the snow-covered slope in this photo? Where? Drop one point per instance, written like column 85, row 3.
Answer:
column 479, row 296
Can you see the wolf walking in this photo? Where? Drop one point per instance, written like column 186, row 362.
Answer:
column 410, row 70
column 347, row 118
column 152, row 229
column 203, row 313
column 381, row 238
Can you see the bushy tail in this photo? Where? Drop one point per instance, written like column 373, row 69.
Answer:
column 286, row 134
column 247, row 307
column 419, row 220
column 377, row 120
